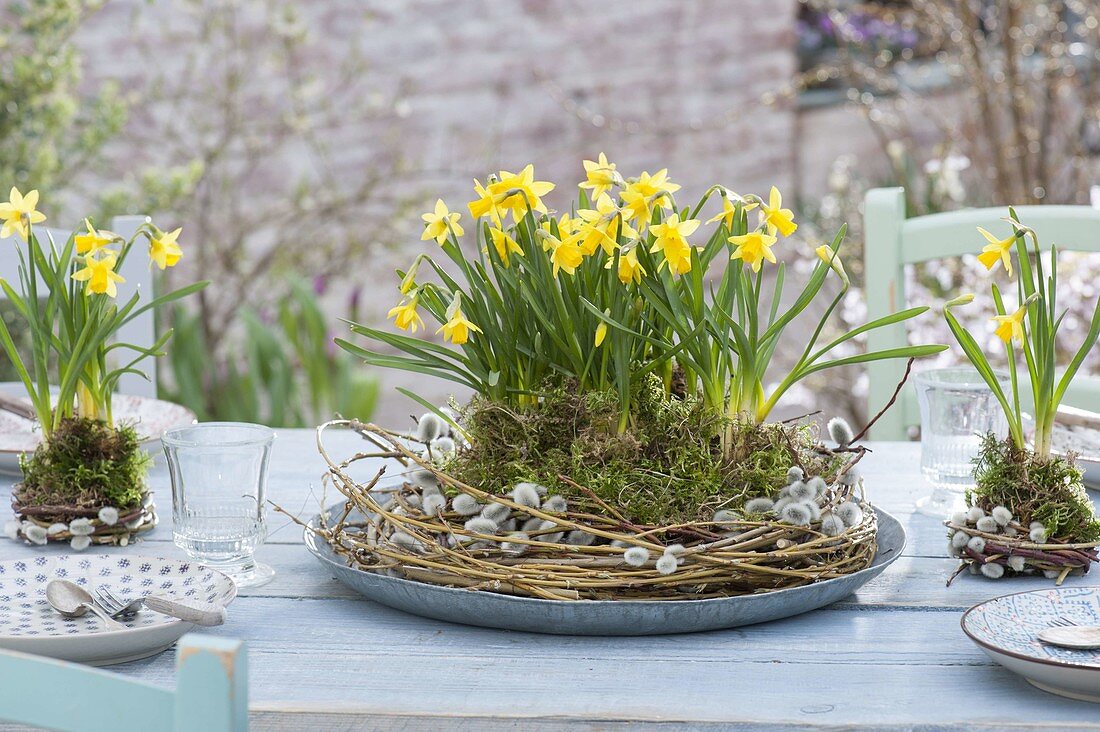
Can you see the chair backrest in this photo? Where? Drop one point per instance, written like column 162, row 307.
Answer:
column 141, row 331
column 211, row 692
column 891, row 242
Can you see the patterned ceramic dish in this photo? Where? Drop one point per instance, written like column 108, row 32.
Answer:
column 151, row 417
column 29, row 624
column 1007, row 629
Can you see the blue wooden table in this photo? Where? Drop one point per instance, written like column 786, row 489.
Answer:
column 891, row 656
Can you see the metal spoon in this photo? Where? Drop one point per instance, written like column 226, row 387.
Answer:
column 72, row 601
column 1080, row 637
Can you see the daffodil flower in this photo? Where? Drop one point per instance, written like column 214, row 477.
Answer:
column 520, row 190
column 505, row 246
column 601, row 176
column 100, row 275
column 93, row 241
column 405, row 316
column 1011, row 327
column 17, row 212
column 630, row 269
column 671, row 238
column 439, row 222
column 997, row 250
column 566, row 254
column 753, row 248
column 775, row 216
column 729, row 208
column 833, row 260
column 457, row 329
column 486, row 204
column 601, row 226
column 648, row 185
column 163, row 249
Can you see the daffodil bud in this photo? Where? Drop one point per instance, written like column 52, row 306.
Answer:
column 960, row 300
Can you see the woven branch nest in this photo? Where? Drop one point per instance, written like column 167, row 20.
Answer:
column 579, row 553
column 1055, row 559
column 129, row 524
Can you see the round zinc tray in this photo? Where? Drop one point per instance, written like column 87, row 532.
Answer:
column 601, row 617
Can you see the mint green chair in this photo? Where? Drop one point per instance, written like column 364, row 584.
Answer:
column 892, row 241
column 211, row 692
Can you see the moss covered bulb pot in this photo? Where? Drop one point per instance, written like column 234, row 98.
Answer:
column 618, row 445
column 85, row 482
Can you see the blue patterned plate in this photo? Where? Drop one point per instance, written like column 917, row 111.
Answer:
column 1007, row 629
column 29, row 624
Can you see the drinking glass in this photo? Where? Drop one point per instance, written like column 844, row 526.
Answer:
column 957, row 408
column 219, row 472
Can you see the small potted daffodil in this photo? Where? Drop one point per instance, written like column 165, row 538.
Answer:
column 1028, row 512
column 85, row 482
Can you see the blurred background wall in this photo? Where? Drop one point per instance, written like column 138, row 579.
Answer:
column 297, row 142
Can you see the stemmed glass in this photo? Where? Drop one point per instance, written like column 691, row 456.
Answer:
column 957, row 408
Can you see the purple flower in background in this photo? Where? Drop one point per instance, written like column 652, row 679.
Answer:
column 320, row 284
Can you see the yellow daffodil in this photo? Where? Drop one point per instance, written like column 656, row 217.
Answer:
column 457, row 329
column 672, row 240
column 729, row 207
column 600, row 227
column 486, row 204
column 775, row 216
column 997, row 250
column 1011, row 327
column 601, row 176
column 601, row 333
column 520, row 190
column 93, row 241
column 630, row 269
column 405, row 316
column 100, row 275
column 648, row 185
column 753, row 248
column 566, row 254
column 505, row 245
column 17, row 211
column 163, row 249
column 439, row 222
column 408, row 282
column 827, row 256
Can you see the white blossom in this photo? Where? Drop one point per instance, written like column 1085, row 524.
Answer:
column 54, row 529
column 540, row 489
column 430, row 427
column 667, row 564
column 960, row 539
column 974, row 514
column 433, row 504
column 465, row 505
column 481, row 525
column 108, row 515
column 496, row 512
column 800, row 492
column 976, row 544
column 1038, row 535
column 35, row 534
column 1016, row 563
column 81, row 527
column 794, row 473
column 555, row 504
column 1001, row 515
column 442, row 447
column 759, row 505
column 850, row 513
column 636, row 556
column 988, row 524
column 80, row 543
column 832, row 525
column 725, row 515
column 840, row 431
column 796, row 513
column 959, row 519
column 515, row 547
column 551, row 538
column 992, row 570
column 408, row 541
column 817, row 483
column 11, row 529
column 525, row 494
column 580, row 538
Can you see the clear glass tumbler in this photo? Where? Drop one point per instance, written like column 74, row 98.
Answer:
column 219, row 475
column 956, row 409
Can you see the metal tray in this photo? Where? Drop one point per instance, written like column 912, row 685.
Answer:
column 601, row 617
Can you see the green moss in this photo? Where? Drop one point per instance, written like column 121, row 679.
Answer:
column 668, row 467
column 86, row 464
column 1048, row 490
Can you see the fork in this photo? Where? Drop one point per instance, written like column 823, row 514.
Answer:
column 1063, row 623
column 199, row 613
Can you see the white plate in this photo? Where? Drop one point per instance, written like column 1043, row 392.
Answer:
column 29, row 624
column 1007, row 629
column 151, row 417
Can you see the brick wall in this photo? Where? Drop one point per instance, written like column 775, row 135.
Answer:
column 489, row 84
